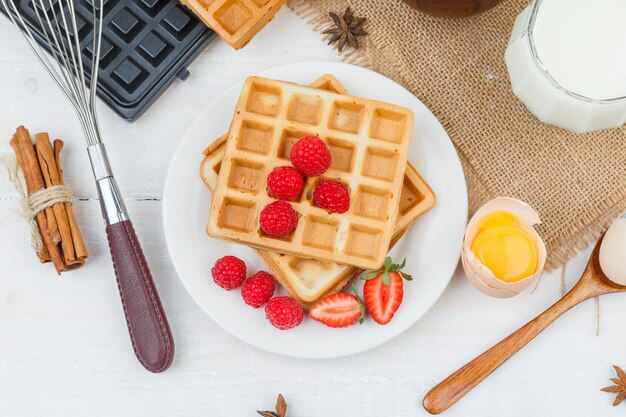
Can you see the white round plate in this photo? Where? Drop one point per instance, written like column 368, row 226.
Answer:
column 432, row 245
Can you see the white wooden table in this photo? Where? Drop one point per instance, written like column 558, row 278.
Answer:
column 64, row 349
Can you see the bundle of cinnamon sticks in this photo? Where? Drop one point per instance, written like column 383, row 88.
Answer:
column 63, row 243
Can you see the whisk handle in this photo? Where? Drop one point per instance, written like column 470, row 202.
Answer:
column 149, row 330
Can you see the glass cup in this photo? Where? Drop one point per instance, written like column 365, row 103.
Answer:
column 567, row 62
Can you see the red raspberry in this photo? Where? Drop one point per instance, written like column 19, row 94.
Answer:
column 285, row 183
column 258, row 289
column 229, row 272
column 332, row 196
column 284, row 312
column 278, row 219
column 310, row 156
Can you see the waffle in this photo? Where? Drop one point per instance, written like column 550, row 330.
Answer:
column 369, row 142
column 210, row 165
column 235, row 21
column 308, row 280
column 328, row 82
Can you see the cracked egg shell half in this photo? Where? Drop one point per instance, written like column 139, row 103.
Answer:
column 502, row 252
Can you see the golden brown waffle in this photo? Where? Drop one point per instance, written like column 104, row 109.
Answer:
column 235, row 21
column 369, row 144
column 328, row 82
column 308, row 280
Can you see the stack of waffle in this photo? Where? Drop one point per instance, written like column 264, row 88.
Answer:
column 368, row 141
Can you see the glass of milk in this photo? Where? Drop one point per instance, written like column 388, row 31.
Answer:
column 567, row 62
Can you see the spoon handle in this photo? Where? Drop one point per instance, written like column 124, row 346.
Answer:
column 451, row 389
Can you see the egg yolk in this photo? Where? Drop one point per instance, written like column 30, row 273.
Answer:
column 504, row 245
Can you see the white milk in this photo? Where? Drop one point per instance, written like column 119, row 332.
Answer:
column 582, row 44
column 567, row 62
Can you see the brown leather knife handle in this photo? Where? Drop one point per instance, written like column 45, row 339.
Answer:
column 149, row 331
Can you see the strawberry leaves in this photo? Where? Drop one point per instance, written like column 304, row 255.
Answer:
column 386, row 278
column 388, row 268
column 355, row 292
column 406, row 276
column 369, row 275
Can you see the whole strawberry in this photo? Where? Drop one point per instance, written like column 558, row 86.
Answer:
column 310, row 156
column 284, row 312
column 229, row 272
column 258, row 289
column 285, row 183
column 332, row 196
column 278, row 219
column 383, row 290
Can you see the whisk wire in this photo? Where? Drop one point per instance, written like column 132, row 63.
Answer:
column 19, row 22
column 67, row 71
column 57, row 50
column 95, row 65
column 73, row 61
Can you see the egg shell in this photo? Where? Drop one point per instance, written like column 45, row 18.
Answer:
column 481, row 276
column 612, row 251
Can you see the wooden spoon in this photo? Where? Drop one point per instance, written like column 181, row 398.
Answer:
column 592, row 284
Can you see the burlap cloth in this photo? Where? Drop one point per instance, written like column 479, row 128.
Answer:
column 456, row 67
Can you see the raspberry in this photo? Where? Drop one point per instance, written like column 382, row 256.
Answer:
column 310, row 156
column 258, row 289
column 284, row 312
column 229, row 272
column 285, row 183
column 278, row 219
column 332, row 196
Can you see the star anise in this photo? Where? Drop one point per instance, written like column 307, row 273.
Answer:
column 281, row 408
column 620, row 386
column 345, row 30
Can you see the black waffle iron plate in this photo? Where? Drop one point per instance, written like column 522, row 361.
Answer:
column 146, row 45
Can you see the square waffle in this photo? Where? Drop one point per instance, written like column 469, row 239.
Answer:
column 146, row 44
column 369, row 143
column 236, row 21
column 309, row 280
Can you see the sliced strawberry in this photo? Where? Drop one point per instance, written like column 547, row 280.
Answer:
column 383, row 291
column 338, row 310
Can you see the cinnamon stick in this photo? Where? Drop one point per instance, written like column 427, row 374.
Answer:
column 43, row 254
column 63, row 243
column 50, row 173
column 27, row 158
column 77, row 238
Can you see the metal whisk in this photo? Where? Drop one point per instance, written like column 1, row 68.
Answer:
column 147, row 324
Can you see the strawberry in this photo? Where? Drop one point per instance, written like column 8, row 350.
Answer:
column 339, row 309
column 383, row 290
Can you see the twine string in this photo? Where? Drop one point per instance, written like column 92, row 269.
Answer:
column 35, row 203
